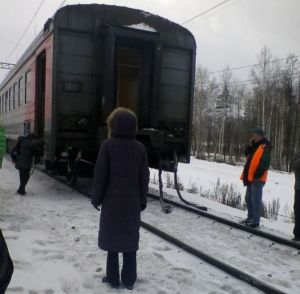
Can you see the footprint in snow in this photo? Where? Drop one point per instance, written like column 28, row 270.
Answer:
column 18, row 264
column 14, row 228
column 160, row 256
column 229, row 289
column 14, row 237
column 44, row 243
column 44, row 252
column 54, row 257
column 15, row 290
column 69, row 287
column 182, row 270
column 162, row 248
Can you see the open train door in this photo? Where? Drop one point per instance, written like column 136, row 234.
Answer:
column 130, row 72
column 40, row 78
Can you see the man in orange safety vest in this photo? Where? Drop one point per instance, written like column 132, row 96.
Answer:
column 254, row 176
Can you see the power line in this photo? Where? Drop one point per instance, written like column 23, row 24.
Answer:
column 249, row 65
column 219, row 10
column 26, row 29
column 253, row 81
column 204, row 12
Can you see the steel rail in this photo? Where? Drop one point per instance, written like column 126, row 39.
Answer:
column 230, row 223
column 213, row 261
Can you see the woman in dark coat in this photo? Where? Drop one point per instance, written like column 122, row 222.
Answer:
column 120, row 186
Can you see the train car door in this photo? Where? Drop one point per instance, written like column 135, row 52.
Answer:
column 130, row 71
column 40, row 94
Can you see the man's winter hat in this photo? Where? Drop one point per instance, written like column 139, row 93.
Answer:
column 258, row 131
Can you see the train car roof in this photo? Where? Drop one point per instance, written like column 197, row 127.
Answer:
column 101, row 15
column 111, row 15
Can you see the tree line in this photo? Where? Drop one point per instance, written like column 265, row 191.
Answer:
column 226, row 110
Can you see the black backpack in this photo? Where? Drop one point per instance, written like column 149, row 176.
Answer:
column 15, row 152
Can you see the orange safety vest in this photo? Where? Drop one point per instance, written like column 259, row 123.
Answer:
column 254, row 165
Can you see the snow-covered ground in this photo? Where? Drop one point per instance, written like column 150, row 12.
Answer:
column 52, row 237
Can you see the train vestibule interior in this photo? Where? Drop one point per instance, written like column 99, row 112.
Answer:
column 129, row 64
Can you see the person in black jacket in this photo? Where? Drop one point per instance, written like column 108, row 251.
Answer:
column 120, row 186
column 28, row 149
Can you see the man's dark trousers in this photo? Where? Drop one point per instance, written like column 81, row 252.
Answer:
column 24, row 177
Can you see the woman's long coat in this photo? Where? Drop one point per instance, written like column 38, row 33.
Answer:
column 120, row 186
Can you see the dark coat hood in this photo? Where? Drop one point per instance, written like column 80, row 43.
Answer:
column 124, row 125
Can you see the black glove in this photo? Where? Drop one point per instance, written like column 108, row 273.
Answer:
column 143, row 207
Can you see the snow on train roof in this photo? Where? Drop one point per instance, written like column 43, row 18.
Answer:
column 117, row 15
column 142, row 26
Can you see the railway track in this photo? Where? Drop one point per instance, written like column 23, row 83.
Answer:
column 195, row 251
column 199, row 212
column 259, row 284
column 258, row 261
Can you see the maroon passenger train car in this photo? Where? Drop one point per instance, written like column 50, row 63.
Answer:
column 89, row 59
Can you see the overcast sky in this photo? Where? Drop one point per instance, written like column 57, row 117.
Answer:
column 233, row 34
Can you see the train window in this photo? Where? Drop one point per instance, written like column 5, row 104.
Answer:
column 20, row 92
column 73, row 87
column 9, row 99
column 6, row 101
column 8, row 106
column 14, row 95
column 27, row 97
column 2, row 108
